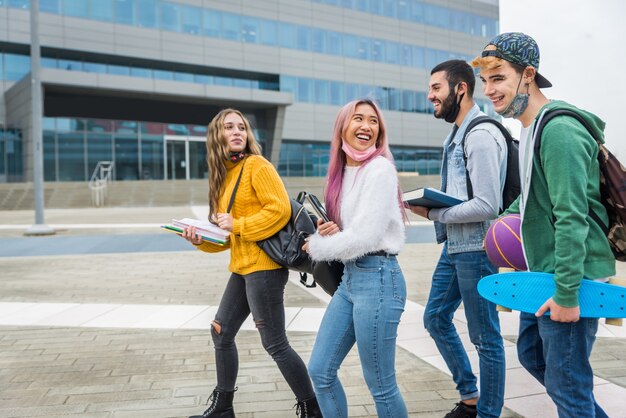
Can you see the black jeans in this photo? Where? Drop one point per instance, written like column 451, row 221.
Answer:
column 262, row 294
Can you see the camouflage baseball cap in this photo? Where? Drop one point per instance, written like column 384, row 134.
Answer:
column 520, row 49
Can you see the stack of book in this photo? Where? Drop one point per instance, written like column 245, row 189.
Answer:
column 208, row 231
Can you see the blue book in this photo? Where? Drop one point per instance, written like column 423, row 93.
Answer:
column 430, row 198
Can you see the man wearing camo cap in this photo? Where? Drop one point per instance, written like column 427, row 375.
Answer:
column 560, row 195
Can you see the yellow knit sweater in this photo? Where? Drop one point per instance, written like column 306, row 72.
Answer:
column 261, row 209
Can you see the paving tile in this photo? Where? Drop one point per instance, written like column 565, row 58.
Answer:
column 77, row 315
column 307, row 319
column 114, row 372
column 34, row 313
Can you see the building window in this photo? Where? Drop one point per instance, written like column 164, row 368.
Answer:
column 170, row 17
column 146, row 11
column 71, row 157
column 231, row 27
column 15, row 66
column 75, row 8
column 48, row 6
column 303, row 159
column 192, row 20
column 124, row 12
column 101, row 10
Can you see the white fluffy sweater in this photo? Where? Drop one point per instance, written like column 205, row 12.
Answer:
column 370, row 215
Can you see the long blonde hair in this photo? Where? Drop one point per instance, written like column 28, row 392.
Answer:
column 217, row 154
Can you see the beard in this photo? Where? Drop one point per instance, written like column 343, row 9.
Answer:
column 448, row 108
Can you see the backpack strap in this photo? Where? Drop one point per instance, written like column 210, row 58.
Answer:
column 473, row 123
column 538, row 131
column 551, row 114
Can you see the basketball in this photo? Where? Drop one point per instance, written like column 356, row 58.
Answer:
column 503, row 243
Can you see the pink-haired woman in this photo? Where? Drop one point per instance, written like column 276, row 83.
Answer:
column 366, row 232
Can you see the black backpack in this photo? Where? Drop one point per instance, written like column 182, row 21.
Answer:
column 285, row 247
column 612, row 185
column 512, row 183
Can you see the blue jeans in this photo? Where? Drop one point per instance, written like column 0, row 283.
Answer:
column 454, row 280
column 557, row 355
column 366, row 309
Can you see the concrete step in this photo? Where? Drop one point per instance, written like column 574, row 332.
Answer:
column 65, row 195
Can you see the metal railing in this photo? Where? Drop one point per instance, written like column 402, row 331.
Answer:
column 99, row 182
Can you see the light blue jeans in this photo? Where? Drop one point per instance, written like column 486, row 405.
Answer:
column 454, row 280
column 557, row 355
column 366, row 309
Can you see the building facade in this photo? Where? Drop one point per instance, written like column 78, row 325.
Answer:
column 137, row 81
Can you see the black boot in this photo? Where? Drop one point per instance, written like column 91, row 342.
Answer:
column 308, row 409
column 221, row 405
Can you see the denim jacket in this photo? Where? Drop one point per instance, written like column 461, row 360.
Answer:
column 464, row 226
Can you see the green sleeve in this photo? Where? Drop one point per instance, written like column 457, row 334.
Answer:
column 566, row 154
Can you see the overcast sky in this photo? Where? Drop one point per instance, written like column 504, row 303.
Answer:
column 582, row 44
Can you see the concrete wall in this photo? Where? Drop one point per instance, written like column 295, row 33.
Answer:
column 60, row 195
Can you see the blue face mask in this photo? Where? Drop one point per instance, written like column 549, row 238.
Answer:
column 518, row 105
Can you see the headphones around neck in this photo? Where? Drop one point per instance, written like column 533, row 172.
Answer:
column 236, row 156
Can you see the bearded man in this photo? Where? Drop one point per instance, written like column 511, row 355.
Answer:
column 462, row 228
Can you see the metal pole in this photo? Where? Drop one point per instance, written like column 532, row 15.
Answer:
column 39, row 228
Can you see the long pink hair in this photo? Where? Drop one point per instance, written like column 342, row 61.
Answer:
column 334, row 177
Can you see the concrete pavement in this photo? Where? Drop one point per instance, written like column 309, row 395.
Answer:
column 109, row 318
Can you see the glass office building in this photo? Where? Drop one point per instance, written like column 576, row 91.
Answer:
column 137, row 81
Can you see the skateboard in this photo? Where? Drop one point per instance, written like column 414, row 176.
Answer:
column 527, row 291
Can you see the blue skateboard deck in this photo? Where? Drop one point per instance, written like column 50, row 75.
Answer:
column 527, row 291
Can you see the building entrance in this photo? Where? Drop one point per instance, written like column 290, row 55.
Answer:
column 185, row 157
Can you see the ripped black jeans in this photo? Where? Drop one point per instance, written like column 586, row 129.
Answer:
column 262, row 294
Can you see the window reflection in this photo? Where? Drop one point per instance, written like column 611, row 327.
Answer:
column 230, row 26
column 71, row 159
column 152, row 157
column 170, row 17
column 124, row 12
column 76, row 8
column 419, row 160
column 268, row 32
column 198, row 168
column 74, row 146
column 49, row 6
column 249, row 29
column 193, row 20
column 11, row 169
column 303, row 89
column 146, row 11
column 94, row 67
column 49, row 156
column 16, row 66
column 101, row 10
column 19, row 4
column 212, row 24
column 307, row 159
column 126, row 157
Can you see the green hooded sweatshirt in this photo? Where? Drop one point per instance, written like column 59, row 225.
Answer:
column 558, row 234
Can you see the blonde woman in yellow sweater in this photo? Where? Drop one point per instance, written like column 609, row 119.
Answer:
column 256, row 285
